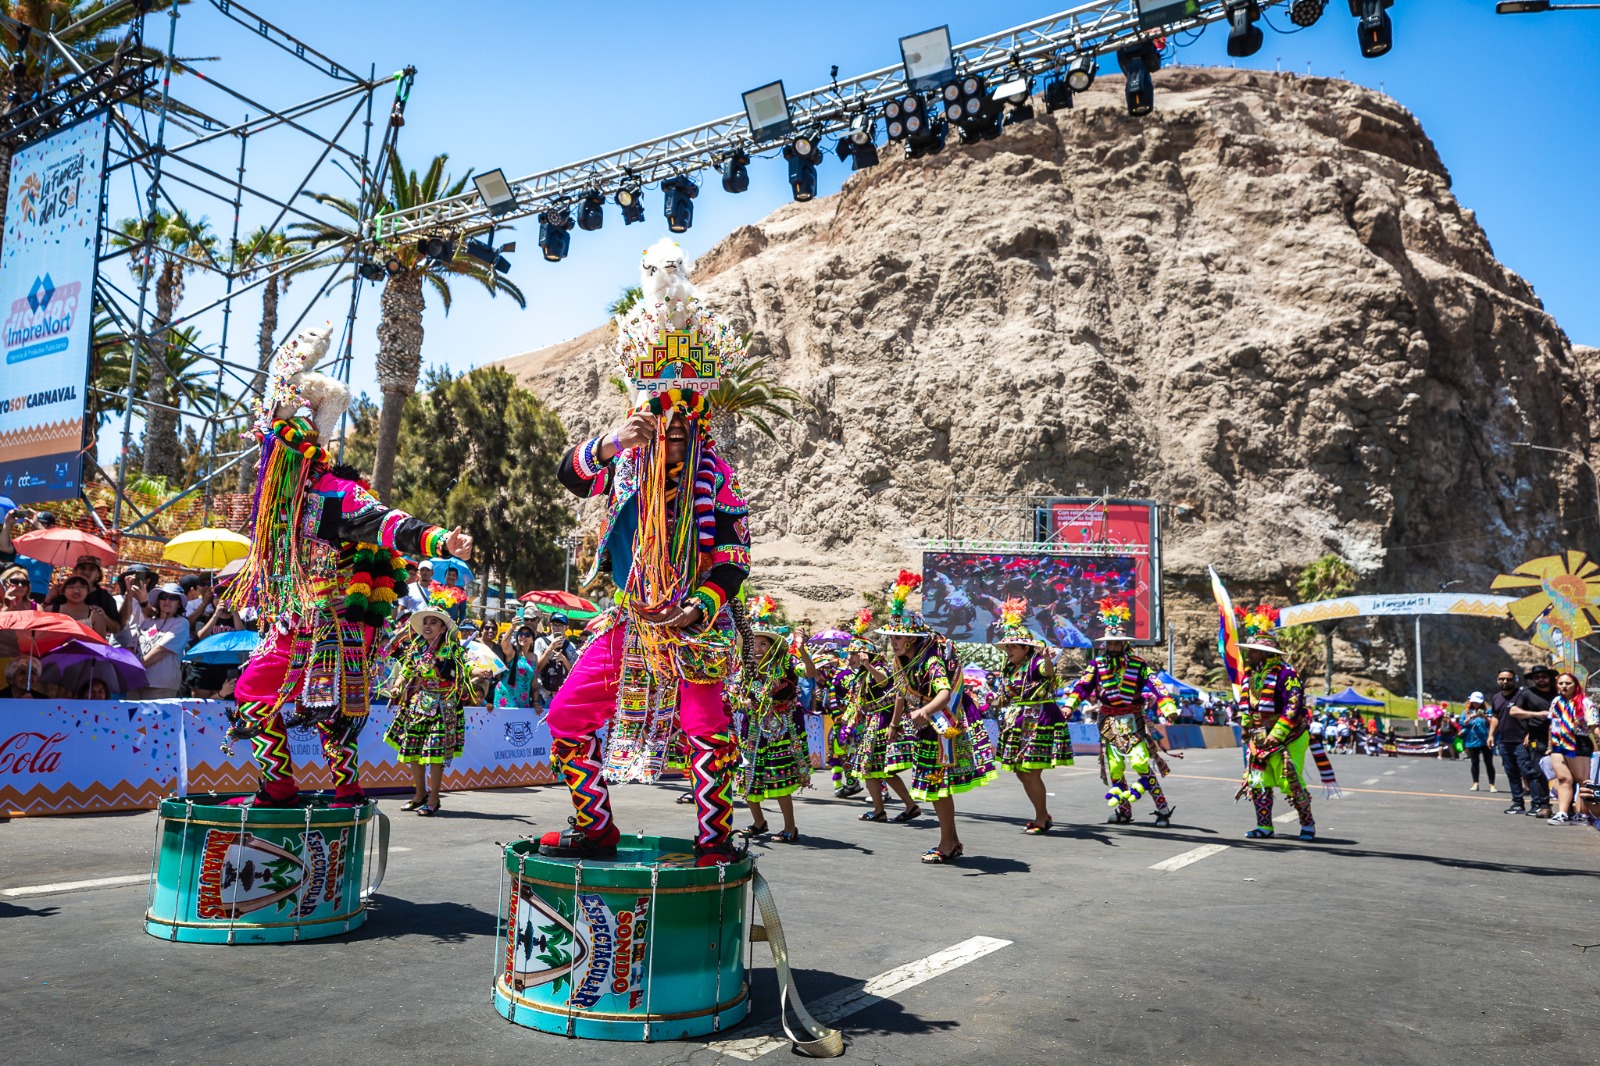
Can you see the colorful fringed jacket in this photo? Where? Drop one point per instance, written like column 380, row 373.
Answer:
column 1123, row 683
column 1275, row 700
column 721, row 516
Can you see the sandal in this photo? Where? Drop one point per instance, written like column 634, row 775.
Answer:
column 1260, row 833
column 909, row 813
column 414, row 804
column 1033, row 829
column 875, row 816
column 788, row 836
column 427, row 811
column 935, row 857
column 754, row 830
column 687, row 797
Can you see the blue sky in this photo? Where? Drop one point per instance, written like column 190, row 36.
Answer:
column 1508, row 100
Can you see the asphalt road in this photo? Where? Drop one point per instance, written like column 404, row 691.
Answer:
column 1423, row 927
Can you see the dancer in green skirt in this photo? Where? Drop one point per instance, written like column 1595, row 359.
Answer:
column 948, row 750
column 868, row 698
column 772, row 745
column 1033, row 734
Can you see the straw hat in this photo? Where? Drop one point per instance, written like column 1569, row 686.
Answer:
column 416, row 617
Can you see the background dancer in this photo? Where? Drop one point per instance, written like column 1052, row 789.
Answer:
column 1123, row 683
column 775, row 763
column 322, row 572
column 950, row 751
column 433, row 687
column 1033, row 734
column 1274, row 720
column 869, row 707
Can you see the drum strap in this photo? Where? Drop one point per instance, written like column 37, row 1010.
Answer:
column 825, row 1043
column 383, row 855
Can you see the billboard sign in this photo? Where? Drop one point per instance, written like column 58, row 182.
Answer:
column 962, row 592
column 47, row 274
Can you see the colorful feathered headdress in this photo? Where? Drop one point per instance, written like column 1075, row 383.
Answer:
column 861, row 632
column 903, row 622
column 763, row 612
column 1116, row 619
column 1013, row 628
column 1257, row 628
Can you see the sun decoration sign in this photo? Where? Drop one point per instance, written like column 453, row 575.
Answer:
column 678, row 359
column 1562, row 604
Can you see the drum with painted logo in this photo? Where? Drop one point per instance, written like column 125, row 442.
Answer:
column 644, row 947
column 257, row 875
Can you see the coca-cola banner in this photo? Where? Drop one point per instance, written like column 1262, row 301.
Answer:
column 76, row 758
column 68, row 758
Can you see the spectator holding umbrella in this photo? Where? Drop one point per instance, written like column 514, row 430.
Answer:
column 1476, row 728
column 22, row 674
column 162, row 640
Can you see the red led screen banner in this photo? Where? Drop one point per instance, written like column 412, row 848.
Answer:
column 962, row 593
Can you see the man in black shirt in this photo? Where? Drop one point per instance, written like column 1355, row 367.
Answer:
column 1506, row 735
column 1531, row 709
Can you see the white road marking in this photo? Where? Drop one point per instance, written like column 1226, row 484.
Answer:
column 1372, row 781
column 847, row 1001
column 1388, row 773
column 1178, row 862
column 395, row 849
column 75, row 886
column 1292, row 816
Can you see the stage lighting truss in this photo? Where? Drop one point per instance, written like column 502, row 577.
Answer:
column 908, row 97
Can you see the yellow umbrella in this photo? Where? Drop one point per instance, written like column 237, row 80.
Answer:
column 206, row 549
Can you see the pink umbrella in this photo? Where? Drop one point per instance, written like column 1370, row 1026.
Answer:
column 1430, row 711
column 64, row 546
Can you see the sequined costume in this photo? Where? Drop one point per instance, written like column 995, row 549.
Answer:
column 433, row 688
column 952, row 755
column 1033, row 731
column 772, row 739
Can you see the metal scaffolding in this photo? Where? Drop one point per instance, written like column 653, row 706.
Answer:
column 171, row 153
column 1034, row 49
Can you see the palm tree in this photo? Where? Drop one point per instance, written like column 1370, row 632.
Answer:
column 265, row 250
column 190, row 381
column 94, row 29
column 743, row 395
column 166, row 247
column 625, row 300
column 400, row 314
column 1326, row 579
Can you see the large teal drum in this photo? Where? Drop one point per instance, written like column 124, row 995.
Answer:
column 248, row 875
column 647, row 946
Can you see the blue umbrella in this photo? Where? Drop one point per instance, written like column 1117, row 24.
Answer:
column 1174, row 686
column 443, row 566
column 229, row 646
column 7, row 505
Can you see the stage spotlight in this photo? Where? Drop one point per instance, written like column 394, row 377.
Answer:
column 1521, row 7
column 928, row 60
column 858, row 144
column 1304, row 13
column 555, row 233
column 905, row 116
column 767, row 111
column 1244, row 36
column 591, row 212
column 1081, row 72
column 678, row 195
column 735, row 172
column 1156, row 13
column 1057, row 95
column 489, row 256
column 1138, row 62
column 802, row 175
column 371, row 271
column 394, row 265
column 440, row 248
column 1015, row 93
column 628, row 198
column 971, row 108
column 1373, row 30
column 495, row 191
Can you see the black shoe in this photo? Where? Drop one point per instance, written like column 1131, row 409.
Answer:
column 1164, row 817
column 849, row 790
column 1515, row 808
column 574, row 843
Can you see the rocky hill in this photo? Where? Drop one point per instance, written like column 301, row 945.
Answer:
column 1260, row 304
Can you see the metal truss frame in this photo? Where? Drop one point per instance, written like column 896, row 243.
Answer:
column 167, row 174
column 1031, row 49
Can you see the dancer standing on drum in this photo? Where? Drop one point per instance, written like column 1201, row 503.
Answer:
column 943, row 743
column 775, row 761
column 1124, row 683
column 1033, row 734
column 322, row 570
column 1276, row 731
column 868, row 697
column 675, row 539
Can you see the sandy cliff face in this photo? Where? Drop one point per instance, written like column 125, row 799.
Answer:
column 1261, row 305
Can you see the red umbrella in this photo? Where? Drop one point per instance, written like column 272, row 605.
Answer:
column 63, row 546
column 557, row 598
column 37, row 632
